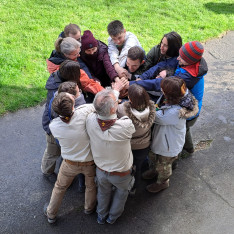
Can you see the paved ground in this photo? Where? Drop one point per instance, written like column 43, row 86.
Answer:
column 199, row 200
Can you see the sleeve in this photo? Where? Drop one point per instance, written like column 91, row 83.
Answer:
column 130, row 42
column 189, row 79
column 84, row 67
column 113, row 51
column 110, row 70
column 152, row 57
column 149, row 85
column 89, row 85
column 153, row 71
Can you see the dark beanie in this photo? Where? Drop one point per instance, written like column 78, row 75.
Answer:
column 88, row 41
column 191, row 52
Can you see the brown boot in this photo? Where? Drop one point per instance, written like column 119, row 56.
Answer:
column 149, row 174
column 155, row 188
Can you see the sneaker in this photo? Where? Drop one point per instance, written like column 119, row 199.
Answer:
column 110, row 221
column 45, row 213
column 100, row 220
column 150, row 174
column 51, row 177
column 155, row 188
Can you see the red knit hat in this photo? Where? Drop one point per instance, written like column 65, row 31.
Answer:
column 88, row 41
column 191, row 52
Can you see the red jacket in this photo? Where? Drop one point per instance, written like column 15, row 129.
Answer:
column 88, row 85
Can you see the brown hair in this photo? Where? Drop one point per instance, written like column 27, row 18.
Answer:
column 173, row 88
column 135, row 53
column 63, row 104
column 70, row 71
column 115, row 28
column 138, row 96
column 71, row 29
column 68, row 87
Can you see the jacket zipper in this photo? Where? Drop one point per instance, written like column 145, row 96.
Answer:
column 167, row 142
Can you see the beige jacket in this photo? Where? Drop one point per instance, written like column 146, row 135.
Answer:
column 142, row 122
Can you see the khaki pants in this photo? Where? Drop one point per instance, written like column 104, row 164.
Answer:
column 67, row 173
column 162, row 165
column 51, row 154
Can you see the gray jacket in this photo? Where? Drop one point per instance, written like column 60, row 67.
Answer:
column 170, row 127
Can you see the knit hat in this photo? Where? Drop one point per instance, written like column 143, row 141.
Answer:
column 88, row 41
column 191, row 52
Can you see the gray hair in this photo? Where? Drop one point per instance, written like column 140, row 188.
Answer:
column 66, row 45
column 103, row 102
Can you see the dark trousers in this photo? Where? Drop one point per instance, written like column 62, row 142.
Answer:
column 139, row 157
column 188, row 137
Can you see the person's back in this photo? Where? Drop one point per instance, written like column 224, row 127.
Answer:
column 70, row 129
column 119, row 43
column 111, row 148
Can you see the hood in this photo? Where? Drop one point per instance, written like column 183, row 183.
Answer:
column 147, row 119
column 54, row 81
column 56, row 58
column 185, row 113
column 198, row 69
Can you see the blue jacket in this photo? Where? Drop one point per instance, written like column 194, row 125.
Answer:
column 52, row 85
column 195, row 83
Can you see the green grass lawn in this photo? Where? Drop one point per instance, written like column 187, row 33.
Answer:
column 29, row 29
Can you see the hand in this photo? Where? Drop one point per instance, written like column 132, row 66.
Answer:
column 162, row 74
column 125, row 82
column 118, row 85
column 121, row 71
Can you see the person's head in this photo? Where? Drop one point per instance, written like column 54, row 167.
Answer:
column 63, row 104
column 138, row 97
column 170, row 44
column 173, row 89
column 70, row 71
column 117, row 32
column 69, row 47
column 69, row 87
column 105, row 103
column 73, row 30
column 190, row 53
column 89, row 43
column 135, row 58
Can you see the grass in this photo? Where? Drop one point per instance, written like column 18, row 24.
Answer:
column 30, row 27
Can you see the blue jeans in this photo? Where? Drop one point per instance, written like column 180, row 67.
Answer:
column 105, row 182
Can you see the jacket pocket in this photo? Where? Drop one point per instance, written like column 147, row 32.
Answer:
column 168, row 147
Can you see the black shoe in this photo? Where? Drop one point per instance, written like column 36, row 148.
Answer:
column 45, row 213
column 51, row 177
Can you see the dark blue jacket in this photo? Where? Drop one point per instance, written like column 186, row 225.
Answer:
column 52, row 85
column 58, row 58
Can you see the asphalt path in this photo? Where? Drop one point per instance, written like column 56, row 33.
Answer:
column 200, row 198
